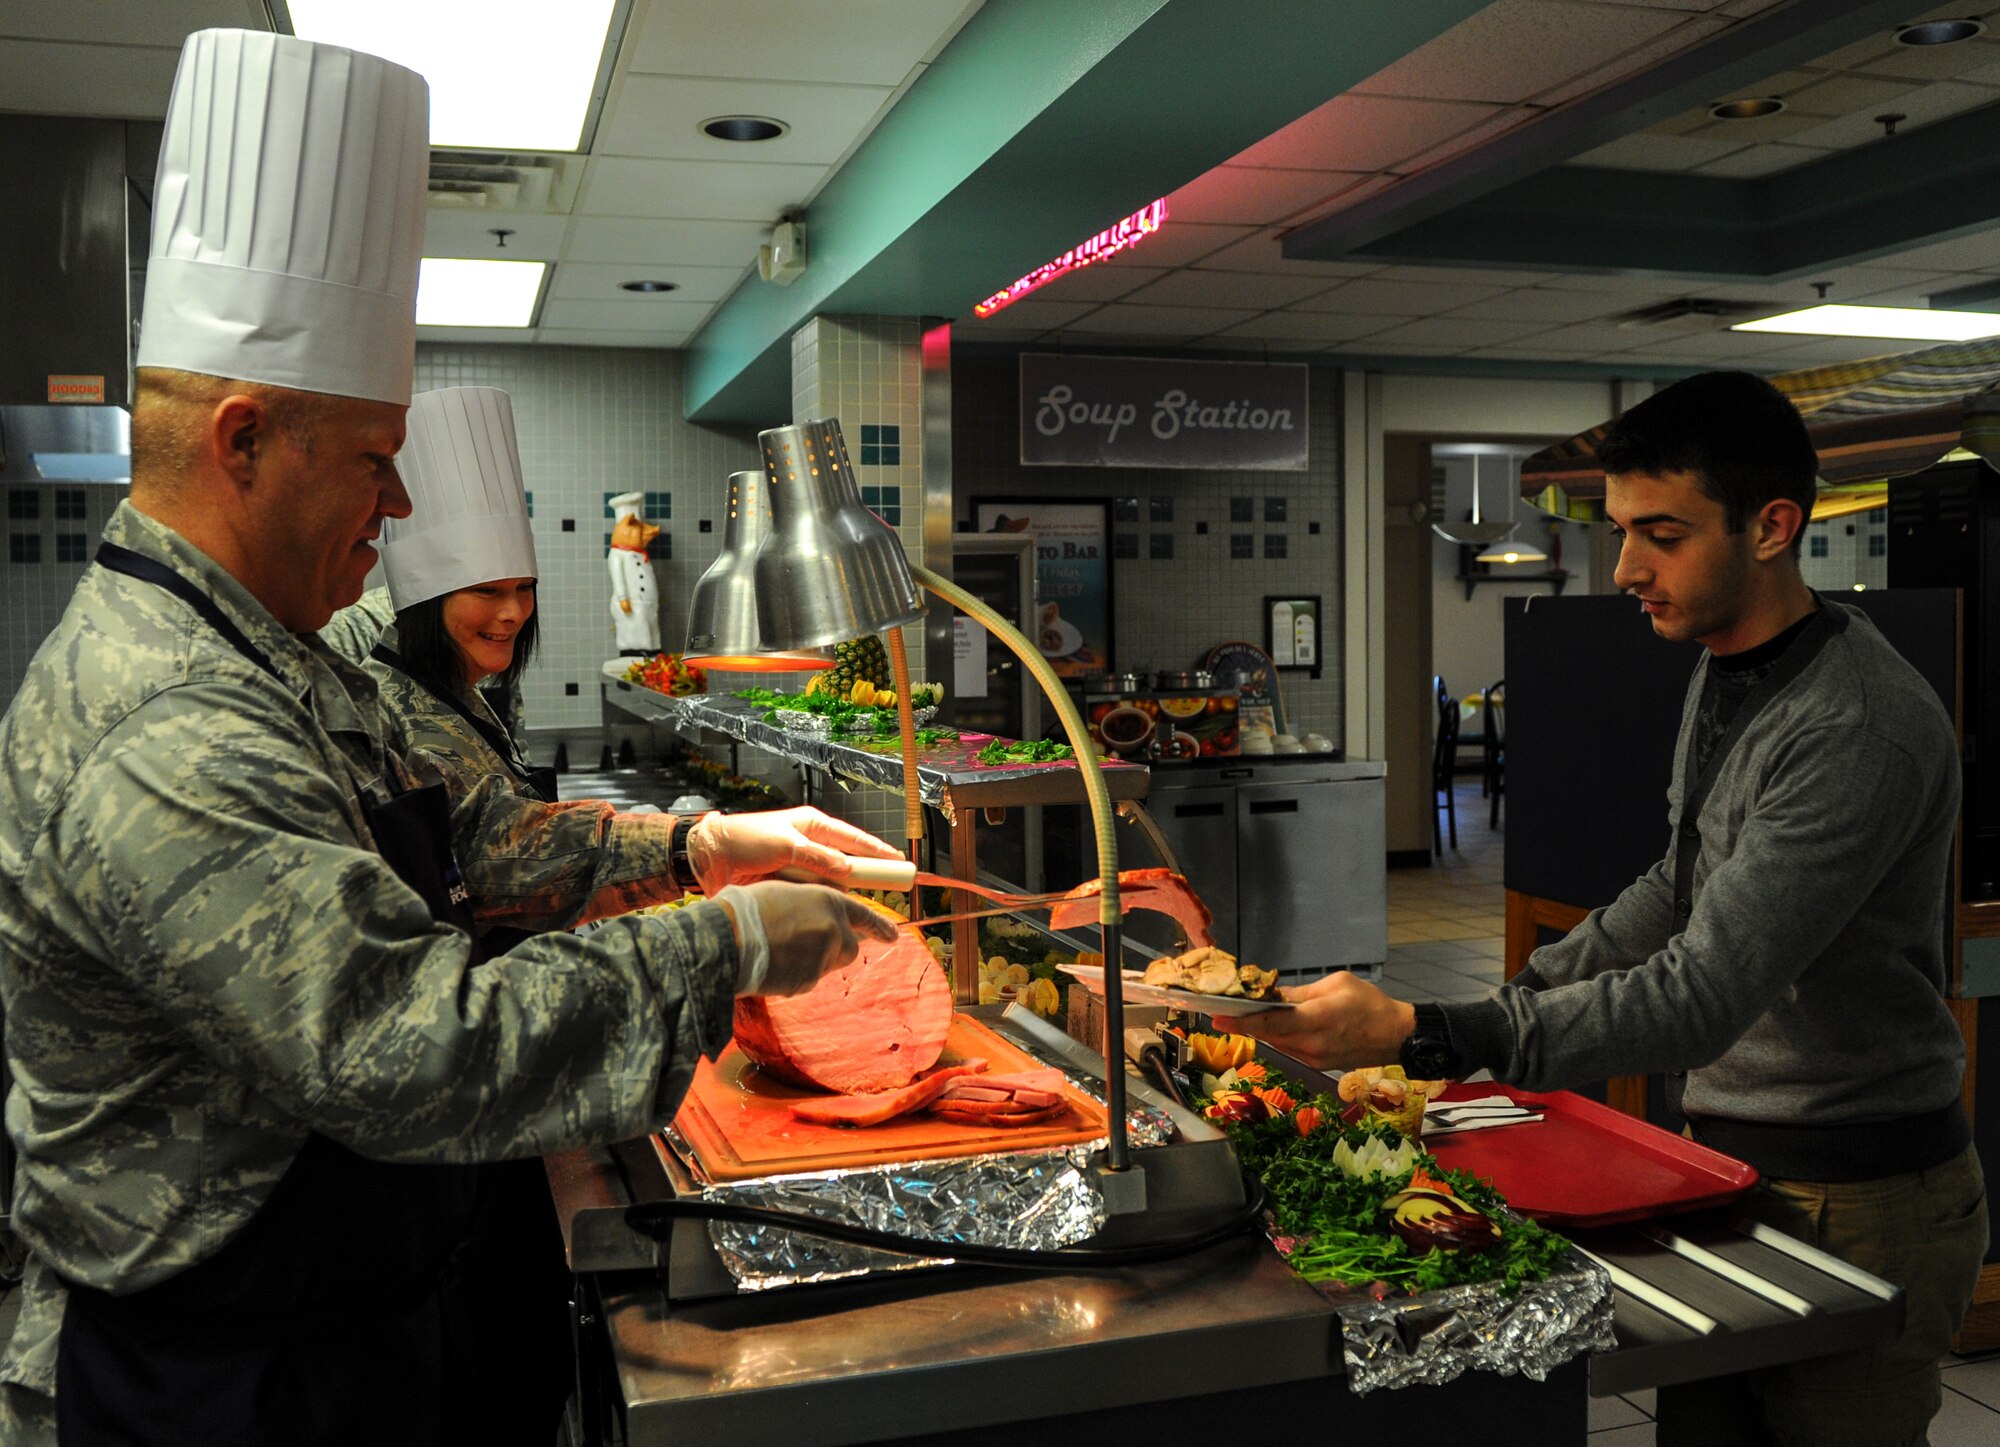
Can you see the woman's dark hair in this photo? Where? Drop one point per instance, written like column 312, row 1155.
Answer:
column 430, row 655
column 1741, row 437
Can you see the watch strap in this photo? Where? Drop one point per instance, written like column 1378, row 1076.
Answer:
column 679, row 866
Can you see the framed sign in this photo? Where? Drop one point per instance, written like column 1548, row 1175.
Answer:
column 1072, row 575
column 1291, row 631
column 1085, row 411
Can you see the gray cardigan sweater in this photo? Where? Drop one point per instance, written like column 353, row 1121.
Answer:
column 1788, row 953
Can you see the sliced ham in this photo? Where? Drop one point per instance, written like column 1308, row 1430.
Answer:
column 885, row 1105
column 1026, row 1097
column 1160, row 890
column 875, row 1025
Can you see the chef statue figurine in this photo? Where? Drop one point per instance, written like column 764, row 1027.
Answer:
column 635, row 602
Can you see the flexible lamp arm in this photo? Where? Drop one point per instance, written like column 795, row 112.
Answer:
column 1109, row 913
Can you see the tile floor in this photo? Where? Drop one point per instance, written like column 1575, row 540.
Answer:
column 1445, row 928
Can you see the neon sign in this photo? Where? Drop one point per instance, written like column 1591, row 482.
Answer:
column 1108, row 242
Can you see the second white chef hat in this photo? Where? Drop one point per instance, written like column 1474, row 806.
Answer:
column 468, row 519
column 288, row 217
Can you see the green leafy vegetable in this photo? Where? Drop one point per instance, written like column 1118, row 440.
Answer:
column 1024, row 751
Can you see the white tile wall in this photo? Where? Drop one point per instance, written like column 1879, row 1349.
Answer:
column 34, row 593
column 866, row 372
column 1848, row 559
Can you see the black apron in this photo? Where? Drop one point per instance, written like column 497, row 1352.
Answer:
column 513, row 1283
column 328, row 1319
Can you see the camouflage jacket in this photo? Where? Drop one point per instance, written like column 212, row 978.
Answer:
column 202, row 958
column 353, row 632
column 529, row 865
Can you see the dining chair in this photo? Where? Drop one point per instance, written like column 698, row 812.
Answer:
column 1444, row 760
column 1493, row 722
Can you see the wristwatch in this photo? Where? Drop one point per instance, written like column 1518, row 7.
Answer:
column 1428, row 1053
column 679, row 866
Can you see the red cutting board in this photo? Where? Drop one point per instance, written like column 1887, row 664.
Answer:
column 739, row 1124
column 1585, row 1164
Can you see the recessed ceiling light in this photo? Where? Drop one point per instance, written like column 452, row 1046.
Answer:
column 743, row 128
column 1753, row 109
column 503, row 75
column 1904, row 323
column 1939, row 32
column 649, row 287
column 459, row 293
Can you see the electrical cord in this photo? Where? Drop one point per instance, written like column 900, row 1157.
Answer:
column 655, row 1219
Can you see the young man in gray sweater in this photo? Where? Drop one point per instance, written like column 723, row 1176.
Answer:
column 1784, row 963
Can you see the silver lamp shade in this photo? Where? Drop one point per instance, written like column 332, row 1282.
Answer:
column 830, row 570
column 723, row 631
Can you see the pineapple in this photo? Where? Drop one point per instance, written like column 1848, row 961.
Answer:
column 859, row 660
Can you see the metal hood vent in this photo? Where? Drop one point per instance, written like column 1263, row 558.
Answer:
column 1691, row 313
column 65, row 444
column 545, row 185
column 70, row 256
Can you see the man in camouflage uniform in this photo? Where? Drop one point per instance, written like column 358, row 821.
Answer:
column 211, row 977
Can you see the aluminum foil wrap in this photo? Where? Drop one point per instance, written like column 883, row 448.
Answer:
column 854, row 724
column 801, row 721
column 1029, row 1200
column 1431, row 1338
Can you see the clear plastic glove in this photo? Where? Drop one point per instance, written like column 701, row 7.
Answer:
column 726, row 849
column 788, row 935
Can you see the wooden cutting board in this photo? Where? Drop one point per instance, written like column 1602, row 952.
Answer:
column 738, row 1120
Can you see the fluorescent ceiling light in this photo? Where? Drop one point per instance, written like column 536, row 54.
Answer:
column 505, row 75
column 454, row 293
column 1905, row 323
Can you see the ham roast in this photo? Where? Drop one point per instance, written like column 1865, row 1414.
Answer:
column 875, row 1025
column 1155, row 889
column 885, row 1105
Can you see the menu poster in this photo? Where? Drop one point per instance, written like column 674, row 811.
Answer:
column 1072, row 575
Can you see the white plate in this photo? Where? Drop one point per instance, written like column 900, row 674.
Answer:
column 1141, row 993
column 1069, row 638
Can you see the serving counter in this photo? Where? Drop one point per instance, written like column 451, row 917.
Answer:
column 1157, row 1349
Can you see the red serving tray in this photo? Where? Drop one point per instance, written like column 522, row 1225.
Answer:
column 1585, row 1164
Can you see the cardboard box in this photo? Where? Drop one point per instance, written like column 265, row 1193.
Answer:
column 1085, row 1018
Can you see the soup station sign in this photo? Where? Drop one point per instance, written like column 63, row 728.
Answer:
column 1140, row 412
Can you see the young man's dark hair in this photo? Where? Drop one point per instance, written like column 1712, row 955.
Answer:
column 1740, row 437
column 429, row 654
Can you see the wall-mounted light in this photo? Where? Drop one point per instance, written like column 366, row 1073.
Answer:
column 782, row 260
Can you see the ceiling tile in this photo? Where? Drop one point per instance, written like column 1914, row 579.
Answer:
column 1685, row 123
column 468, row 231
column 660, row 116
column 1311, row 326
column 667, row 243
column 1240, row 342
column 1257, row 194
column 1645, row 151
column 1105, row 281
column 1159, row 320
column 1200, row 287
column 1179, row 242
column 1034, row 312
column 873, row 42
column 1375, row 347
column 1782, row 126
column 1754, row 161
column 503, row 336
column 635, row 315
column 1457, row 332
column 1517, row 48
column 1537, row 304
column 1471, row 138
column 1003, row 336
column 583, row 337
column 1363, row 133
column 1589, row 337
column 1841, row 95
column 1639, row 288
column 1266, row 253
column 132, row 22
column 1919, row 107
column 698, row 190
column 1372, row 297
column 111, row 81
column 599, row 281
column 1934, row 62
column 1690, row 33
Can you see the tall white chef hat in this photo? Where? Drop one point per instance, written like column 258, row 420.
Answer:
column 632, row 502
column 468, row 519
column 288, row 218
